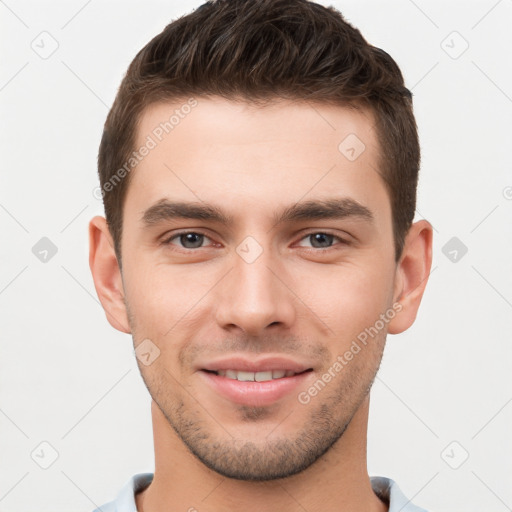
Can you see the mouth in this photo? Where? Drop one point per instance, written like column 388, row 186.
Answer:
column 256, row 389
column 260, row 376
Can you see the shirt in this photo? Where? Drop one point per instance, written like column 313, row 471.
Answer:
column 385, row 488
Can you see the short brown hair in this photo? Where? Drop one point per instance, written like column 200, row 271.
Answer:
column 257, row 51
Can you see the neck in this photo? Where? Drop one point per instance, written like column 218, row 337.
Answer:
column 337, row 481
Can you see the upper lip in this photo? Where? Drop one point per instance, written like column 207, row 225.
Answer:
column 260, row 364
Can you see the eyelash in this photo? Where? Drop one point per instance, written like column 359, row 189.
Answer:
column 342, row 241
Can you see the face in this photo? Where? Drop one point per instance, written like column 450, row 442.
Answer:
column 256, row 250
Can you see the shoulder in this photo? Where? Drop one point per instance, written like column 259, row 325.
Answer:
column 389, row 492
column 125, row 500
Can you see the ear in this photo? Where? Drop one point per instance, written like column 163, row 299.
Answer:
column 412, row 273
column 107, row 274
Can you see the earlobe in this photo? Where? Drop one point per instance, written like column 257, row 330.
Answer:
column 106, row 274
column 412, row 274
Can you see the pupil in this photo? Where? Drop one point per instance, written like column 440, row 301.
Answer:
column 323, row 238
column 194, row 239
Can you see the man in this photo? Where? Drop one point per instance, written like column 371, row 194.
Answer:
column 259, row 170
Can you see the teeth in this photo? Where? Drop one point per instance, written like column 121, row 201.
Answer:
column 245, row 376
column 255, row 376
column 262, row 376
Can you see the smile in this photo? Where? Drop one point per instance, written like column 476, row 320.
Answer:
column 256, row 389
column 261, row 376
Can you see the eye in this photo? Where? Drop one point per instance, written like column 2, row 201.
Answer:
column 195, row 240
column 188, row 239
column 321, row 240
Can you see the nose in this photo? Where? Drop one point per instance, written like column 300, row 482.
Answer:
column 254, row 298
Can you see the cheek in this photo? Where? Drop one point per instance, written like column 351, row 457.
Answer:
column 163, row 297
column 347, row 299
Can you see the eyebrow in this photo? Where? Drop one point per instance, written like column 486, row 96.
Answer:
column 319, row 209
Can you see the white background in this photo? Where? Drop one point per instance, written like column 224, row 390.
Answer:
column 68, row 378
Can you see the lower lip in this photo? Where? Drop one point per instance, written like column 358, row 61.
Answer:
column 254, row 393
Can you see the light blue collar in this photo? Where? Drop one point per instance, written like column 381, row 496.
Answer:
column 385, row 488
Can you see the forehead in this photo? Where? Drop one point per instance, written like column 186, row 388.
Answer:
column 217, row 150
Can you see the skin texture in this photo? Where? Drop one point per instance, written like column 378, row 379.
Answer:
column 305, row 298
